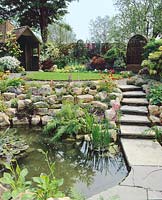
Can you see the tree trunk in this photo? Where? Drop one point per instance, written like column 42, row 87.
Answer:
column 44, row 23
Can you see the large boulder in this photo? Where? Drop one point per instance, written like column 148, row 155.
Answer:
column 140, row 81
column 102, row 95
column 119, row 95
column 100, row 105
column 60, row 91
column 68, row 99
column 77, row 90
column 154, row 119
column 34, row 90
column 92, row 92
column 4, row 120
column 154, row 110
column 40, row 104
column 85, row 98
column 9, row 96
column 51, row 99
column 10, row 112
column 160, row 109
column 46, row 119
column 52, row 112
column 21, row 96
column 21, row 104
column 42, row 111
column 22, row 121
column 161, row 117
column 35, row 120
column 16, row 90
column 37, row 98
column 146, row 88
column 56, row 106
column 45, row 90
column 110, row 114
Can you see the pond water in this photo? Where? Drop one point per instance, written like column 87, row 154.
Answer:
column 89, row 174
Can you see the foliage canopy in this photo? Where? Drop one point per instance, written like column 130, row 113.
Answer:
column 38, row 13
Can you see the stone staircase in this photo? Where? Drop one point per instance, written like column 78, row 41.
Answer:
column 142, row 152
column 134, row 120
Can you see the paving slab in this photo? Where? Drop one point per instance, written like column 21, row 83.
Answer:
column 136, row 131
column 142, row 152
column 154, row 195
column 135, row 101
column 134, row 94
column 125, row 88
column 121, row 193
column 139, row 110
column 148, row 177
column 134, row 119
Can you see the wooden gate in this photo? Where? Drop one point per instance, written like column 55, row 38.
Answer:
column 134, row 52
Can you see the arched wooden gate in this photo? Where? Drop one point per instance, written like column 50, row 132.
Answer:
column 134, row 52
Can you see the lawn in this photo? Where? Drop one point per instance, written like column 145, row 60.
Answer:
column 57, row 76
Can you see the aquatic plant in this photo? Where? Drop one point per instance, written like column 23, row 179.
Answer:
column 11, row 146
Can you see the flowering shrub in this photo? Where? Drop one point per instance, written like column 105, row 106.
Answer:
column 11, row 47
column 154, row 62
column 9, row 63
column 107, row 84
column 151, row 47
column 98, row 63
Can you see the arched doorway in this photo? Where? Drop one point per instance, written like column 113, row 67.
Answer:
column 134, row 52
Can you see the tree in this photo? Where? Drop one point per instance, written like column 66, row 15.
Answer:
column 99, row 29
column 140, row 17
column 37, row 13
column 61, row 33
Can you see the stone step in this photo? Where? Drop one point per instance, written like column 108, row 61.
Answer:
column 132, row 131
column 130, row 94
column 135, row 101
column 125, row 88
column 138, row 110
column 134, row 119
column 142, row 152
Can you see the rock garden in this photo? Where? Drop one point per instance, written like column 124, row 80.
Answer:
column 80, row 120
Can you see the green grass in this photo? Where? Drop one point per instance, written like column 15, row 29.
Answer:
column 57, row 76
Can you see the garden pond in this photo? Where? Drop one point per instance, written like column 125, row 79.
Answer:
column 85, row 171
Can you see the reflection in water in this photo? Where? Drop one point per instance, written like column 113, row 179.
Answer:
column 86, row 171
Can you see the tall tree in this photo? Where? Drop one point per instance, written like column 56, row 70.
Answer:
column 35, row 13
column 61, row 33
column 99, row 29
column 140, row 17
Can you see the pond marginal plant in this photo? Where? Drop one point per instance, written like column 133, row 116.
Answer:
column 101, row 136
column 16, row 181
column 46, row 185
column 73, row 120
column 66, row 123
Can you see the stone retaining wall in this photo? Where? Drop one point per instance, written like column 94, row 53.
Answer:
column 36, row 105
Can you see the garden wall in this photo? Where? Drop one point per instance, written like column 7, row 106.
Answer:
column 36, row 104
